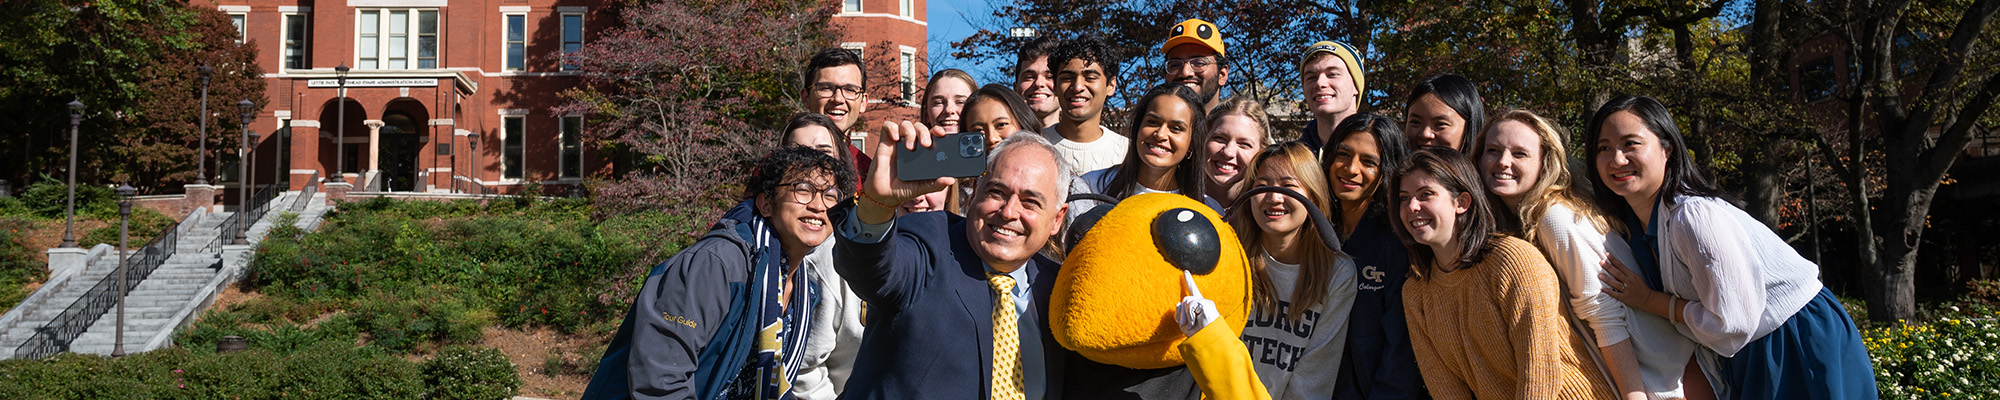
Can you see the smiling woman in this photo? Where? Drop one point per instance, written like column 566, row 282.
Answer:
column 1162, row 158
column 1480, row 302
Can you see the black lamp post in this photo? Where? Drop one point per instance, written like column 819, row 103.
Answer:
column 201, row 158
column 243, row 171
column 472, row 143
column 125, row 192
column 251, row 154
column 340, row 134
column 69, row 211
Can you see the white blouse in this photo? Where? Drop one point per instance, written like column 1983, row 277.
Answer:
column 1577, row 250
column 1742, row 280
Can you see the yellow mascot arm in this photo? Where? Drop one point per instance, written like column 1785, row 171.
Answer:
column 1221, row 365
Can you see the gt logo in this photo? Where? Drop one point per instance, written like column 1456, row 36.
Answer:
column 1373, row 274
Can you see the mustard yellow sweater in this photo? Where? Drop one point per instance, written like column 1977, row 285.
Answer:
column 1496, row 331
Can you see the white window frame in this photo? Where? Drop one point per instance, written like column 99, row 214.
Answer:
column 286, row 39
column 505, row 31
column 907, row 66
column 242, row 22
column 562, row 139
column 522, row 172
column 906, row 8
column 582, row 33
column 412, row 38
column 850, row 6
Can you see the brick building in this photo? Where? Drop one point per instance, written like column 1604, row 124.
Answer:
column 456, row 97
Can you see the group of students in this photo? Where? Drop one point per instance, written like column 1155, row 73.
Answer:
column 1472, row 262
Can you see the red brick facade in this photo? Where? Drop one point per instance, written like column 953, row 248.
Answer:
column 429, row 76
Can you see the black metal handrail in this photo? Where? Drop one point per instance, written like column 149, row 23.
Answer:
column 55, row 337
column 251, row 212
column 306, row 194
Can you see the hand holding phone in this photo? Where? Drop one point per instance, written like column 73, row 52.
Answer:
column 958, row 155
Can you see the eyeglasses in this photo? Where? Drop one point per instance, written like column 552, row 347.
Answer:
column 847, row 92
column 805, row 193
column 1199, row 63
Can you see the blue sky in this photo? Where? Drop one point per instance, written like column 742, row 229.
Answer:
column 948, row 22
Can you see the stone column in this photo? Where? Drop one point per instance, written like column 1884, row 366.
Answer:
column 197, row 197
column 374, row 144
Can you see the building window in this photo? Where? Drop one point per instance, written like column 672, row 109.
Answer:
column 1817, row 79
column 907, row 7
column 572, row 38
column 295, row 40
column 857, row 48
column 851, row 6
column 517, row 44
column 397, row 39
column 242, row 22
column 572, row 147
column 908, row 63
column 510, row 146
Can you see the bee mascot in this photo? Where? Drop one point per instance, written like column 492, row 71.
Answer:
column 1154, row 293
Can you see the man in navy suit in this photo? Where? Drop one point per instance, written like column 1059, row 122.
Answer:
column 933, row 281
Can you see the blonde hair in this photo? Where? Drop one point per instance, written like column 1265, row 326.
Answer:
column 952, row 73
column 1247, row 107
column 1553, row 184
column 1318, row 261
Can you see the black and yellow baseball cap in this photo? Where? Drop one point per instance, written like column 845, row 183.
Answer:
column 1195, row 31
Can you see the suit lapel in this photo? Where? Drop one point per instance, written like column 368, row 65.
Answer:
column 974, row 295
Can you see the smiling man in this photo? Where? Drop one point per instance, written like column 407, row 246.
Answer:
column 730, row 315
column 1086, row 78
column 1195, row 58
column 957, row 307
column 1331, row 76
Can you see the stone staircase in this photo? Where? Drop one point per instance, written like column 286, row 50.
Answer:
column 168, row 298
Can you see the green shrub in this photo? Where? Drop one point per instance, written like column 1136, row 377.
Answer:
column 471, row 373
column 1948, row 359
column 146, row 224
column 325, row 370
column 47, row 198
column 18, row 263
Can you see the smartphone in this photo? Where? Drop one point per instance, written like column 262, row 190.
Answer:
column 957, row 155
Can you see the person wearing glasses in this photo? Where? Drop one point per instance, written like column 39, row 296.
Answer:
column 835, row 86
column 730, row 315
column 1194, row 58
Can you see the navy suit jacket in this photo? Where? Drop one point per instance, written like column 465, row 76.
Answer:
column 930, row 313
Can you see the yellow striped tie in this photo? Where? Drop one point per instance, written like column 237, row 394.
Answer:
column 1006, row 341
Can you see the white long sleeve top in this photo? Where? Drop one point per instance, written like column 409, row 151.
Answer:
column 1577, row 250
column 836, row 331
column 1742, row 280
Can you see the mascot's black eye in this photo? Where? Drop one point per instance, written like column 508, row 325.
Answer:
column 1204, row 31
column 1187, row 240
column 1178, row 29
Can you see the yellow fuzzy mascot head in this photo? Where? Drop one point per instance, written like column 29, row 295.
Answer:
column 1114, row 299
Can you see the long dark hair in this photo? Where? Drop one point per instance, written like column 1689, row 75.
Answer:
column 1459, row 94
column 1475, row 226
column 1682, row 178
column 1017, row 108
column 1187, row 174
column 1389, row 142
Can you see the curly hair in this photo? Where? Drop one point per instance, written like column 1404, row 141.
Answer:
column 1088, row 48
column 788, row 163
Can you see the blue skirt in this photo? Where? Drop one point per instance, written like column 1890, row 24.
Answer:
column 1817, row 354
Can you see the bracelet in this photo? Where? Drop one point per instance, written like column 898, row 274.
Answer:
column 871, row 199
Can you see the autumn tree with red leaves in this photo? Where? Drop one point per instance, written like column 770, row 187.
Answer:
column 685, row 92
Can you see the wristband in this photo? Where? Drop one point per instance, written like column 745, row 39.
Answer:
column 871, row 199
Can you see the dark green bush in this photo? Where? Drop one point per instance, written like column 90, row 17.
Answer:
column 326, row 370
column 471, row 373
column 47, row 198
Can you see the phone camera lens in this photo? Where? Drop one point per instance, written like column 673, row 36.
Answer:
column 972, row 145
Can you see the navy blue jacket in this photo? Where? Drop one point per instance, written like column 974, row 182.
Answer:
column 691, row 328
column 1379, row 362
column 930, row 312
